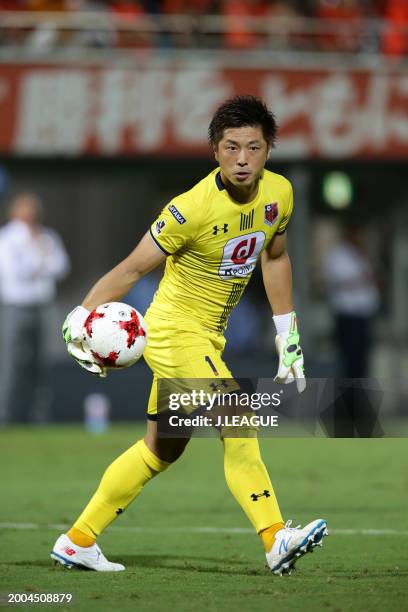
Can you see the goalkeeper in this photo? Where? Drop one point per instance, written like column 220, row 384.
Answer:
column 211, row 238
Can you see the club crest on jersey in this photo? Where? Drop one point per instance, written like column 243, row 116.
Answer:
column 159, row 227
column 177, row 214
column 271, row 213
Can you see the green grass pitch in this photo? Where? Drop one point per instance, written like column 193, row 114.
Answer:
column 178, row 540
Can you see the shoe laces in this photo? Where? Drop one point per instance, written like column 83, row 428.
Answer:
column 288, row 526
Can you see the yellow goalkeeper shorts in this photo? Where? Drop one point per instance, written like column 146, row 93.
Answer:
column 183, row 349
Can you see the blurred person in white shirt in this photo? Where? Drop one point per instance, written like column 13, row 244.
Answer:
column 354, row 298
column 32, row 260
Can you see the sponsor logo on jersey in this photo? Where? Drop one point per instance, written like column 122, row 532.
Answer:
column 159, row 227
column 177, row 214
column 271, row 213
column 240, row 255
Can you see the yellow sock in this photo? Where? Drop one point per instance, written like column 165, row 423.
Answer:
column 80, row 539
column 120, row 484
column 268, row 535
column 249, row 482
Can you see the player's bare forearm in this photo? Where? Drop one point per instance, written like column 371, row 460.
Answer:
column 116, row 283
column 111, row 287
column 277, row 276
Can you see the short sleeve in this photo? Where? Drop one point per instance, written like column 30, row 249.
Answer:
column 287, row 211
column 175, row 225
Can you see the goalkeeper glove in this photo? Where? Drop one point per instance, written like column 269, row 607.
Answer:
column 72, row 330
column 290, row 354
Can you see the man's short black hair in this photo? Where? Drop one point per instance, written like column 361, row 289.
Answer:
column 242, row 111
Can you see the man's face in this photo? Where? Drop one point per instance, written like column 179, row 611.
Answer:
column 241, row 154
column 27, row 209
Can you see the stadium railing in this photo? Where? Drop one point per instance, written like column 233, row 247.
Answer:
column 21, row 33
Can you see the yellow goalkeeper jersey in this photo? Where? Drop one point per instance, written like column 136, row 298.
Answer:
column 213, row 244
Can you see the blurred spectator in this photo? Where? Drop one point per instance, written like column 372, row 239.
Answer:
column 192, row 7
column 32, row 259
column 46, row 5
column 96, row 38
column 45, row 35
column 284, row 38
column 354, row 299
column 238, row 32
column 12, row 5
column 189, row 35
column 346, row 17
column 42, row 39
column 130, row 11
column 395, row 37
column 127, row 8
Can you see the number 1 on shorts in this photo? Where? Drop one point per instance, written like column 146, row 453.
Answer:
column 212, row 366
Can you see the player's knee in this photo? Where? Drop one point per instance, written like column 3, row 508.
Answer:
column 175, row 451
column 166, row 449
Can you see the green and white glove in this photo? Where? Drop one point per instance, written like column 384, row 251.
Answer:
column 72, row 330
column 290, row 354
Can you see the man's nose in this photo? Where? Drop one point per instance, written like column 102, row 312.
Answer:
column 242, row 160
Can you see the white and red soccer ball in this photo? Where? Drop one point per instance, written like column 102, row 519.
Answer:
column 115, row 334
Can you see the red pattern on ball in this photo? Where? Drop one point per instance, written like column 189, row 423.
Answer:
column 132, row 328
column 91, row 318
column 109, row 361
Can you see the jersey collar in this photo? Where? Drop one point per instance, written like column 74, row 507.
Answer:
column 221, row 187
column 218, row 181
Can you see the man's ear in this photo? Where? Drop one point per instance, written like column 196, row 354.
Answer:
column 215, row 148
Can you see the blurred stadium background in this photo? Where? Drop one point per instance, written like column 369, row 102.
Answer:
column 104, row 108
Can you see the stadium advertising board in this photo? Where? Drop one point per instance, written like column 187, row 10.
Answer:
column 108, row 111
